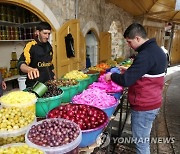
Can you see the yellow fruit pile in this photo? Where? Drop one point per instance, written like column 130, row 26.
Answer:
column 16, row 115
column 8, row 140
column 18, row 98
column 20, row 149
column 14, row 118
column 111, row 63
column 94, row 68
column 13, row 124
column 75, row 74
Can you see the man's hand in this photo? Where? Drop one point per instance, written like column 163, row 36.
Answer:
column 33, row 73
column 108, row 76
column 123, row 69
column 4, row 85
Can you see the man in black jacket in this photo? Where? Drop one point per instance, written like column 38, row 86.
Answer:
column 36, row 59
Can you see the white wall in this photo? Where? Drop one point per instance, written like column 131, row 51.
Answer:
column 6, row 47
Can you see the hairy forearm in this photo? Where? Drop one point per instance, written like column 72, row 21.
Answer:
column 25, row 68
column 31, row 72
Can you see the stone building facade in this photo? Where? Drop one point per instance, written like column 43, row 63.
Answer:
column 96, row 14
column 92, row 14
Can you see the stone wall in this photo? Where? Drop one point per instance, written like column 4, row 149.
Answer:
column 63, row 9
column 96, row 14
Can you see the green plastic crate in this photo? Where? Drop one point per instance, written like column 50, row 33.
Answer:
column 83, row 84
column 44, row 105
column 69, row 92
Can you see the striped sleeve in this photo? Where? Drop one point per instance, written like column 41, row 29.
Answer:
column 27, row 51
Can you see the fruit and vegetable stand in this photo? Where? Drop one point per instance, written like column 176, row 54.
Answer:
column 104, row 139
column 75, row 109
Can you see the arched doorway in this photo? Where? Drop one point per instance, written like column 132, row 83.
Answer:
column 91, row 49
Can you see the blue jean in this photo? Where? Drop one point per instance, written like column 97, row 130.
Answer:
column 141, row 124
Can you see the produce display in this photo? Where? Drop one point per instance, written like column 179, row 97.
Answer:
column 69, row 87
column 16, row 114
column 19, row 148
column 100, row 67
column 50, row 100
column 95, row 68
column 103, row 66
column 111, row 62
column 119, row 59
column 15, row 139
column 18, row 99
column 25, row 101
column 53, row 132
column 14, row 118
column 95, row 97
column 87, row 117
column 61, row 131
column 109, row 87
column 93, row 75
column 75, row 74
column 127, row 63
column 92, row 72
column 63, row 82
column 10, row 133
column 53, row 90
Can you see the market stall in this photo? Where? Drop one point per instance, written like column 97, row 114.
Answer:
column 83, row 98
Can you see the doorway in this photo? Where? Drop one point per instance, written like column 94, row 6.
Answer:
column 91, row 49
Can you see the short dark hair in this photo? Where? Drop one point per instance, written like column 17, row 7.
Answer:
column 134, row 30
column 43, row 26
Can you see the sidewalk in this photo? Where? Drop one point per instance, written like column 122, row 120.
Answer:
column 167, row 124
column 172, row 106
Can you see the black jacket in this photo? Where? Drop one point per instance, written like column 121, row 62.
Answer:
column 38, row 55
column 149, row 60
column 145, row 77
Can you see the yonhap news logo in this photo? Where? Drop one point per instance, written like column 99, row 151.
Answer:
column 129, row 140
column 103, row 140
